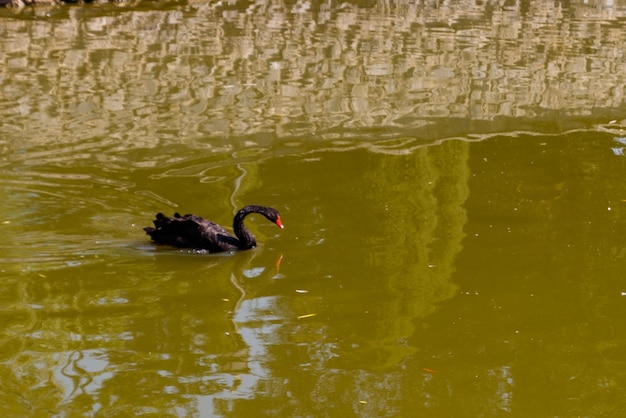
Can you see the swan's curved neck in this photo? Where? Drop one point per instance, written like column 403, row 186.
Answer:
column 246, row 239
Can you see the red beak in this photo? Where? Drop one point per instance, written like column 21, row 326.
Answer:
column 279, row 223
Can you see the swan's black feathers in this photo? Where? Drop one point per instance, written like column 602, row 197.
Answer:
column 191, row 231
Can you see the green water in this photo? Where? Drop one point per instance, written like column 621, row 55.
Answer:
column 479, row 276
column 450, row 178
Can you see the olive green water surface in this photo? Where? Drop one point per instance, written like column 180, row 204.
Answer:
column 479, row 276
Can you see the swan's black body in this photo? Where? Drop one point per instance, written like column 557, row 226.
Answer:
column 191, row 231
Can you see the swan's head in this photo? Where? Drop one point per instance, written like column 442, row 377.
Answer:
column 273, row 215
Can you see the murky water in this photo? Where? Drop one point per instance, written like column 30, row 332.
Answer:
column 450, row 182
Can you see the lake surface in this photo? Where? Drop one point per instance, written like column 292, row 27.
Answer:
column 450, row 177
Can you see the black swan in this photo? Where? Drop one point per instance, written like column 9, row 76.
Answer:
column 191, row 231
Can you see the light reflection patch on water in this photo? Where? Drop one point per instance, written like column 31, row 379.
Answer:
column 81, row 373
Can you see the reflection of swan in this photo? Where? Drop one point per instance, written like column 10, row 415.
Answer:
column 191, row 231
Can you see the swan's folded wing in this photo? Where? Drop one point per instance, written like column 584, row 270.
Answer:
column 191, row 231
